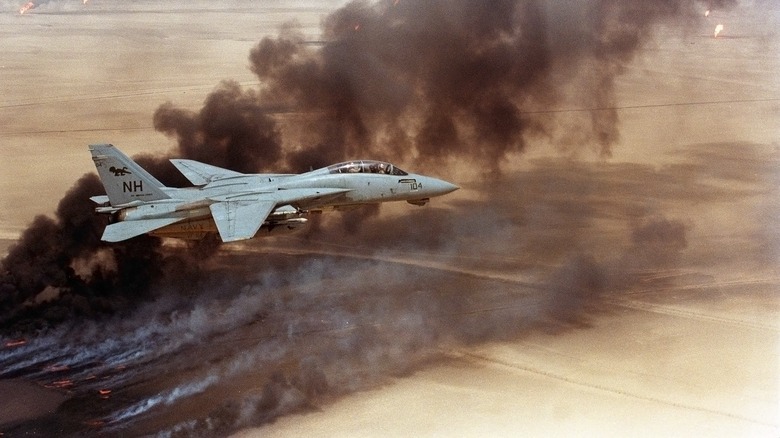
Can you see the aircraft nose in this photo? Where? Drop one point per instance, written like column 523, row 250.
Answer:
column 440, row 187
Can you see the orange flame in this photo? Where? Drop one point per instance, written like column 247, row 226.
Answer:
column 26, row 7
column 718, row 29
column 15, row 343
column 60, row 384
column 95, row 423
column 706, row 13
column 55, row 368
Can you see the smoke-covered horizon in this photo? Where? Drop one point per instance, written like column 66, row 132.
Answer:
column 350, row 301
column 434, row 81
column 304, row 322
column 306, row 328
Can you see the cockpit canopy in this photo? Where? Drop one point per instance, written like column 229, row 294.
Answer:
column 366, row 166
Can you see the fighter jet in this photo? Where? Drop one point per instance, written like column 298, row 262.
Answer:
column 236, row 205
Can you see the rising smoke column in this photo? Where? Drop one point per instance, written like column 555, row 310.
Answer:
column 232, row 130
column 461, row 79
column 80, row 275
column 59, row 268
column 63, row 257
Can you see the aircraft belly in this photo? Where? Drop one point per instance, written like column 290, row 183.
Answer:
column 200, row 228
column 161, row 211
column 194, row 229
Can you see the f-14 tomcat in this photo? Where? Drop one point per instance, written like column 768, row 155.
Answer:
column 237, row 205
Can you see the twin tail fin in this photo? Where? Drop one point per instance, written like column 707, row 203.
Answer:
column 124, row 180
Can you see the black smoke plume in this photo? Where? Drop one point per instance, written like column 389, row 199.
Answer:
column 59, row 269
column 233, row 130
column 459, row 79
column 430, row 80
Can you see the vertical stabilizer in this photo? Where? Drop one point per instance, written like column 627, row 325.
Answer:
column 124, row 180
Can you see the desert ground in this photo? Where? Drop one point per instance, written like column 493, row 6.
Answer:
column 570, row 294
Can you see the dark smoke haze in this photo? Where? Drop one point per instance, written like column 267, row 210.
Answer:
column 430, row 84
column 395, row 80
column 435, row 80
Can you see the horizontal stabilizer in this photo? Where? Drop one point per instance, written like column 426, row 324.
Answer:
column 128, row 229
column 240, row 219
column 100, row 199
column 201, row 174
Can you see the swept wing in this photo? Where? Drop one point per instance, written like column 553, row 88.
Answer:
column 239, row 217
column 201, row 174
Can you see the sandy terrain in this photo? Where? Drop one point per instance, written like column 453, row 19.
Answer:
column 23, row 401
column 689, row 346
column 645, row 373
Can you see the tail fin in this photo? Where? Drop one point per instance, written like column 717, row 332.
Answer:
column 124, row 180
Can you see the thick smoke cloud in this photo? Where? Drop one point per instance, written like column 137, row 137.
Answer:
column 459, row 79
column 232, row 130
column 40, row 281
column 60, row 269
column 429, row 80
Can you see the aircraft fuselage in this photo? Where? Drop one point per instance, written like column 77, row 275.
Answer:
column 238, row 205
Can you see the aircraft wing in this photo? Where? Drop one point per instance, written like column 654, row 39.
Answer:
column 201, row 174
column 127, row 229
column 239, row 219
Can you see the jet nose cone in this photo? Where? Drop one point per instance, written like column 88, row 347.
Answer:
column 440, row 187
column 448, row 187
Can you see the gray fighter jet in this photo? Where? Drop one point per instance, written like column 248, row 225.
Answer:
column 238, row 205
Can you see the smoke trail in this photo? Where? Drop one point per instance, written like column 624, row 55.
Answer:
column 165, row 399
